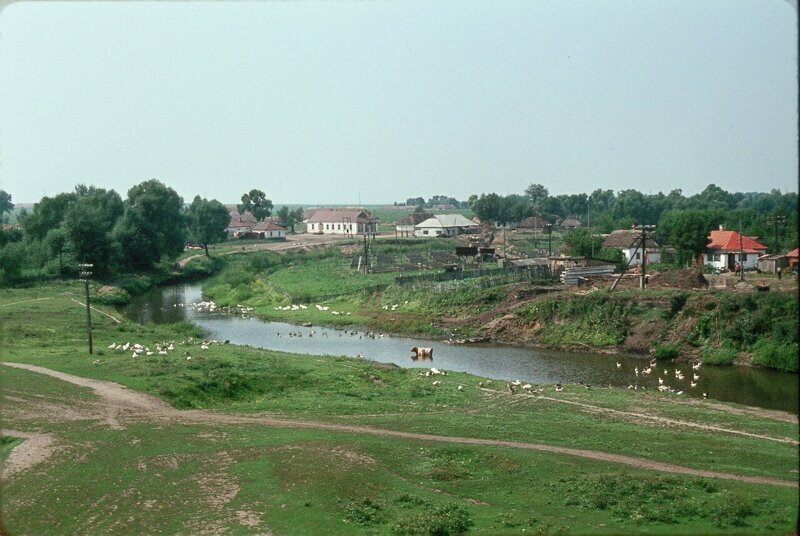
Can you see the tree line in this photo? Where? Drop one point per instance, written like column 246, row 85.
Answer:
column 148, row 229
column 681, row 222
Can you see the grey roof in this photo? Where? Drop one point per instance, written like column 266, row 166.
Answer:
column 414, row 218
column 627, row 238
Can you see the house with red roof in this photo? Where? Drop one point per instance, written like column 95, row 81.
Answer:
column 724, row 247
column 268, row 229
column 792, row 258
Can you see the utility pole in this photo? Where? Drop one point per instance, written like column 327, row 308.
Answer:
column 366, row 255
column 741, row 252
column 644, row 230
column 85, row 272
column 777, row 221
column 549, row 227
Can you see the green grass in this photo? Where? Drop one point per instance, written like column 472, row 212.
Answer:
column 164, row 476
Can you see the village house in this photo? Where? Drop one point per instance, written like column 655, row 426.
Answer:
column 570, row 222
column 630, row 242
column 445, row 225
column 405, row 227
column 532, row 223
column 268, row 229
column 508, row 225
column 723, row 250
column 342, row 221
column 240, row 224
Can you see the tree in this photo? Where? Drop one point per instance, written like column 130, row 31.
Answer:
column 207, row 221
column 12, row 259
column 256, row 202
column 56, row 242
column 581, row 242
column 5, row 203
column 47, row 214
column 153, row 225
column 536, row 193
column 686, row 231
column 88, row 225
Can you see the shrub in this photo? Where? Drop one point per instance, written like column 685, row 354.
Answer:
column 441, row 521
column 719, row 356
column 778, row 356
column 364, row 512
column 666, row 351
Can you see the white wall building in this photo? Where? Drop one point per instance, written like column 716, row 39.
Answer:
column 629, row 241
column 341, row 221
column 445, row 225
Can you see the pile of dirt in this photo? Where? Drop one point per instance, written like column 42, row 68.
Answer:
column 685, row 278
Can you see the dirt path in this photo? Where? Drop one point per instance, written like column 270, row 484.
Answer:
column 24, row 301
column 667, row 420
column 36, row 448
column 142, row 406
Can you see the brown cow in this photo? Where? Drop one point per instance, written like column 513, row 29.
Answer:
column 422, row 353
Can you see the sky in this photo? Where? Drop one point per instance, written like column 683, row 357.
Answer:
column 374, row 102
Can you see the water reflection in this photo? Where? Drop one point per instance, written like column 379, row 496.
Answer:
column 754, row 387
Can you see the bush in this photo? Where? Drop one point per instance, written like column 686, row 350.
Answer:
column 778, row 356
column 441, row 521
column 364, row 512
column 666, row 351
column 719, row 356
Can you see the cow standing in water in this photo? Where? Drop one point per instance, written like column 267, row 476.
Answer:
column 422, row 353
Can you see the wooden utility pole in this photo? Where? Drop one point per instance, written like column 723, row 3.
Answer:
column 549, row 227
column 644, row 229
column 777, row 221
column 741, row 252
column 85, row 273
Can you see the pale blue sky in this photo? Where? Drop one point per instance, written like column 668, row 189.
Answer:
column 333, row 102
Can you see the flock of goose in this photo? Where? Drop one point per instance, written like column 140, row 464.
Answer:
column 301, row 307
column 161, row 348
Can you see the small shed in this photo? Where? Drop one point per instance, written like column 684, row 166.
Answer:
column 771, row 263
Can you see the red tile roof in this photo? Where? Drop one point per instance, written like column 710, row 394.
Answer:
column 729, row 241
column 795, row 253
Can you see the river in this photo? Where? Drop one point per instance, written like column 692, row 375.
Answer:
column 744, row 385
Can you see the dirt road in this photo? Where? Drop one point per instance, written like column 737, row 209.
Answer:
column 123, row 403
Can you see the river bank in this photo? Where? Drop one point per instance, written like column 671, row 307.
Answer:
column 717, row 327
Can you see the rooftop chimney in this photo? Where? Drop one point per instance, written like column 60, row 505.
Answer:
column 721, row 227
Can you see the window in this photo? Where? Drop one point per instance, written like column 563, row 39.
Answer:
column 744, row 257
column 638, row 255
column 709, row 257
column 716, row 256
column 425, row 231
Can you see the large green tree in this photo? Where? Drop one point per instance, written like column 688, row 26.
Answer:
column 89, row 223
column 5, row 203
column 153, row 225
column 256, row 202
column 687, row 231
column 207, row 221
column 47, row 214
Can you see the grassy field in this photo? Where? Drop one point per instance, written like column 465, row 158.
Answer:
column 173, row 476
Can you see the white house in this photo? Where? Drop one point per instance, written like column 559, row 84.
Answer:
column 342, row 221
column 723, row 250
column 445, row 225
column 240, row 224
column 268, row 229
column 630, row 242
column 405, row 227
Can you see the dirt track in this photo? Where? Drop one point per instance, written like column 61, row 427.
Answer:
column 121, row 402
